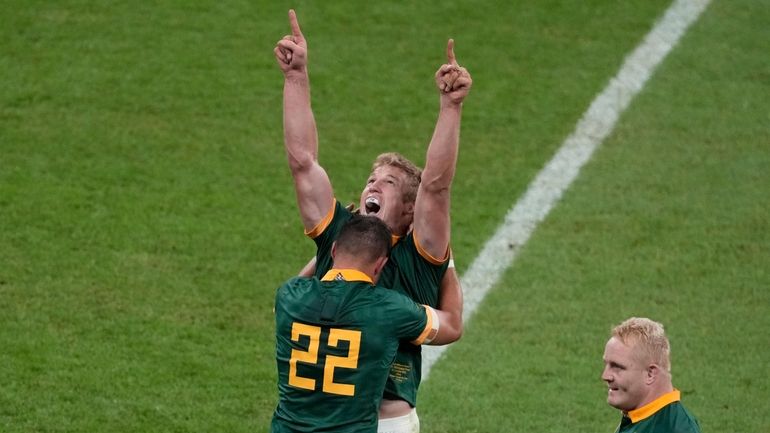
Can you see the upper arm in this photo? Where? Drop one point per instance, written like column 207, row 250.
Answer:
column 315, row 197
column 449, row 314
column 431, row 222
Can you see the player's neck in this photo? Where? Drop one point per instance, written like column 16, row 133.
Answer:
column 349, row 262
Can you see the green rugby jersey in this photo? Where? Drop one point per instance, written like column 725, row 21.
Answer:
column 666, row 414
column 335, row 342
column 408, row 271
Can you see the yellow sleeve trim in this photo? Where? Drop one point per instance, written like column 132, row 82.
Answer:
column 430, row 331
column 654, row 406
column 427, row 256
column 321, row 226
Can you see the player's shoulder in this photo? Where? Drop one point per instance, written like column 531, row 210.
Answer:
column 393, row 297
column 298, row 283
column 301, row 281
column 344, row 212
column 682, row 420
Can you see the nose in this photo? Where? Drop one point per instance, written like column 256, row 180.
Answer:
column 606, row 375
column 374, row 186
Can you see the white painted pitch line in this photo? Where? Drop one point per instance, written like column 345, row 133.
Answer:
column 549, row 185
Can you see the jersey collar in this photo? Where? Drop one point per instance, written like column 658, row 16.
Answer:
column 654, row 406
column 346, row 275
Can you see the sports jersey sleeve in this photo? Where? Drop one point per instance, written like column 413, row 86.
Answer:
column 420, row 275
column 324, row 235
column 415, row 323
column 431, row 328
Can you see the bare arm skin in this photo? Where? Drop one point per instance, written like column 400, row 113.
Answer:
column 450, row 309
column 311, row 183
column 431, row 215
column 309, row 269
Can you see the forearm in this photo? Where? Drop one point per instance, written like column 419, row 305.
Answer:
column 300, row 135
column 451, row 301
column 453, row 82
column 441, row 158
column 450, row 310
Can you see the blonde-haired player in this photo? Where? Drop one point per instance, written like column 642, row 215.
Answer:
column 637, row 370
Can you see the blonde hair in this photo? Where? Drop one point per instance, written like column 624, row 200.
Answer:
column 413, row 173
column 648, row 338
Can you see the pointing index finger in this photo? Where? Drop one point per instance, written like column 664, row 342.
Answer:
column 450, row 52
column 295, row 30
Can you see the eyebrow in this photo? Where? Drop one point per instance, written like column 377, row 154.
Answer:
column 387, row 176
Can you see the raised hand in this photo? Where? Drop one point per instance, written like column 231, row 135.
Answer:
column 291, row 51
column 453, row 80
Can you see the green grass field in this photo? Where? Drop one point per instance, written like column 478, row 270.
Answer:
column 147, row 213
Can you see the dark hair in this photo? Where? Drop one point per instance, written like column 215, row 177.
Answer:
column 364, row 236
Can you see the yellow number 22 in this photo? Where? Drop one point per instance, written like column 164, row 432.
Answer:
column 311, row 357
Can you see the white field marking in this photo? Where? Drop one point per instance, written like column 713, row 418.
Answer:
column 549, row 185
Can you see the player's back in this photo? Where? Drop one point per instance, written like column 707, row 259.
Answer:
column 335, row 342
column 407, row 271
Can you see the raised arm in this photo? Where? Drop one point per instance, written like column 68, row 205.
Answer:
column 311, row 183
column 309, row 269
column 431, row 215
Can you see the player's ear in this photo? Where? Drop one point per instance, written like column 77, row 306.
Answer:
column 334, row 249
column 379, row 265
column 651, row 374
column 409, row 209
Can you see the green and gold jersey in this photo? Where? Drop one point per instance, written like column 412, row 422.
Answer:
column 410, row 271
column 666, row 414
column 335, row 341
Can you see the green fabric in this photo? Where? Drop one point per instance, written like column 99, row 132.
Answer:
column 406, row 272
column 672, row 418
column 345, row 317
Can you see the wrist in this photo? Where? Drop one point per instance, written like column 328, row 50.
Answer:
column 448, row 104
column 296, row 75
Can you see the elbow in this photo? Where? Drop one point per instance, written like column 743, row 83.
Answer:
column 457, row 332
column 435, row 187
column 299, row 164
column 450, row 328
column 437, row 180
column 453, row 332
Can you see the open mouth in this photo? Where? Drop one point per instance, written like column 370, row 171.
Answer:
column 372, row 205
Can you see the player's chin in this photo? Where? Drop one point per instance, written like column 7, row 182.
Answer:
column 615, row 398
column 379, row 214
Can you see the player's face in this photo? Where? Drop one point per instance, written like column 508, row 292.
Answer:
column 625, row 375
column 383, row 197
